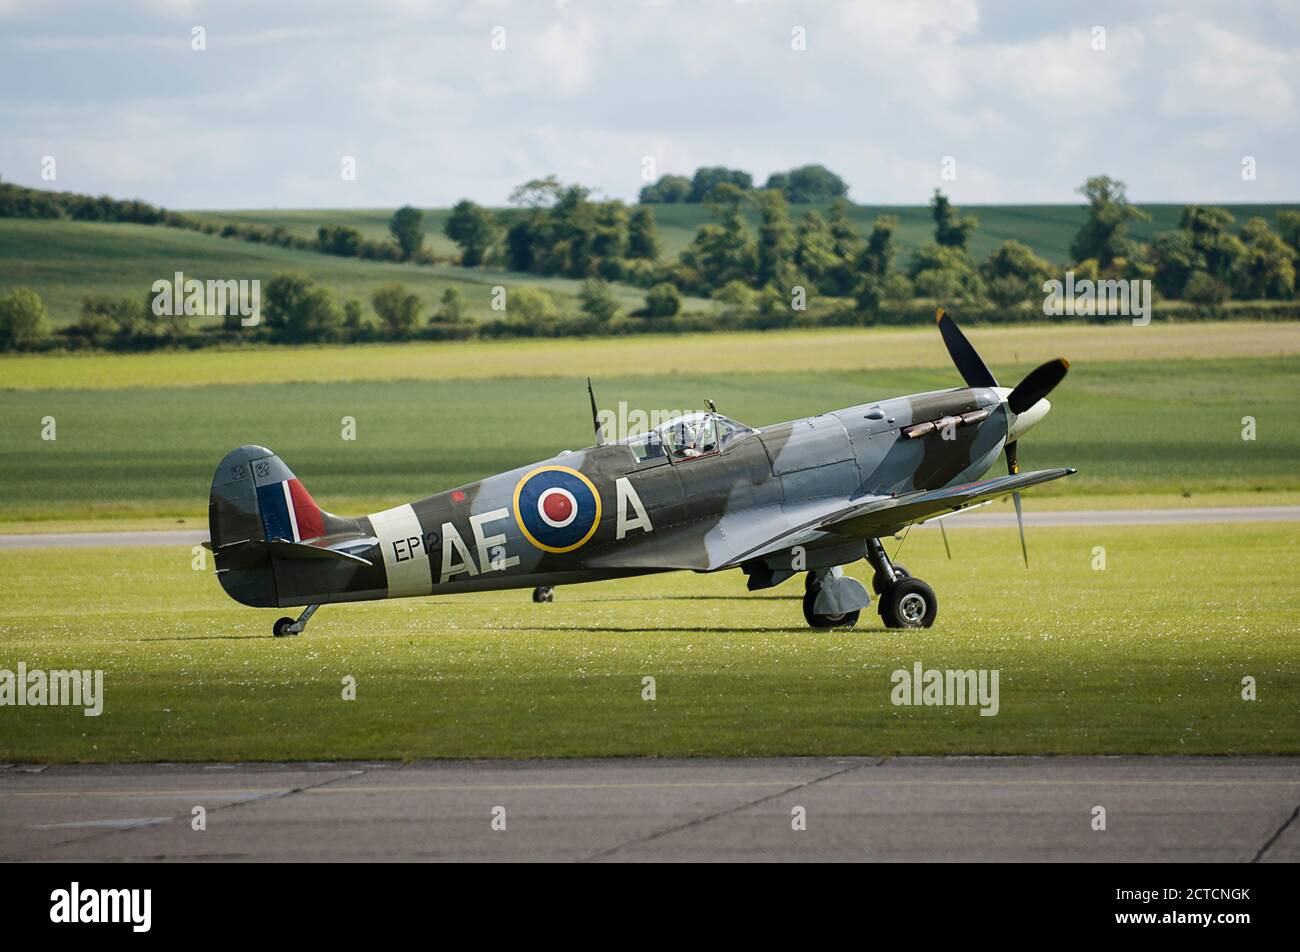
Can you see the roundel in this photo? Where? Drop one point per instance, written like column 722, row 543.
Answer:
column 557, row 508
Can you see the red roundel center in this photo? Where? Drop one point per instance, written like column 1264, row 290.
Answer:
column 557, row 507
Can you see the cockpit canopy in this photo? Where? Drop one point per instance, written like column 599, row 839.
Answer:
column 686, row 437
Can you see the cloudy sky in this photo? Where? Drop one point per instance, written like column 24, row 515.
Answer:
column 1016, row 93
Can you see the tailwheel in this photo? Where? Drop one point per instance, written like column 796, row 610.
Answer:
column 544, row 593
column 909, row 604
column 842, row 620
column 294, row 626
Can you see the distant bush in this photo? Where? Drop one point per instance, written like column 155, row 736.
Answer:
column 663, row 300
column 1203, row 289
column 339, row 240
column 398, row 310
column 597, row 300
column 23, row 319
column 298, row 310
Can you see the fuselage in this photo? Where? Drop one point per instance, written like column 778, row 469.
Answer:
column 611, row 510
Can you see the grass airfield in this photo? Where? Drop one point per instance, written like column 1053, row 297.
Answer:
column 1146, row 656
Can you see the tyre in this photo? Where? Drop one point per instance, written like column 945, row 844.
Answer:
column 281, row 628
column 909, row 604
column 843, row 620
column 878, row 584
column 543, row 593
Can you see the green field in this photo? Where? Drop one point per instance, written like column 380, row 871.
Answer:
column 1146, row 656
column 1129, row 427
column 1048, row 229
column 876, row 353
column 64, row 260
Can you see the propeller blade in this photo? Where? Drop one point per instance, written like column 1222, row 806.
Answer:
column 1013, row 457
column 1020, row 521
column 970, row 365
column 1037, row 384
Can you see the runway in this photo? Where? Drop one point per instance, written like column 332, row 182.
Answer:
column 1006, row 809
column 978, row 519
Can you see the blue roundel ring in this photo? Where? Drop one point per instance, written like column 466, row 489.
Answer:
column 557, row 508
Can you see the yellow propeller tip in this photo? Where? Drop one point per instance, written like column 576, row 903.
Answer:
column 1064, row 362
column 938, row 314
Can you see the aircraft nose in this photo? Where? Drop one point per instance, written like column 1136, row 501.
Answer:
column 1023, row 422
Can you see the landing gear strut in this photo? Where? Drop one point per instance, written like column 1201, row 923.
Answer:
column 904, row 602
column 288, row 626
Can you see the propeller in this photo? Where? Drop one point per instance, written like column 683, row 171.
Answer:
column 969, row 363
column 1036, row 385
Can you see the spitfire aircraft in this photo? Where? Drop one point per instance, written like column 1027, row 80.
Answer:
column 700, row 492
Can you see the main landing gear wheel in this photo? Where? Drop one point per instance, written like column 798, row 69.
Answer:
column 878, row 583
column 909, row 604
column 281, row 629
column 544, row 593
column 843, row 620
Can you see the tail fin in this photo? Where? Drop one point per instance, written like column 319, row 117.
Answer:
column 257, row 505
column 256, row 498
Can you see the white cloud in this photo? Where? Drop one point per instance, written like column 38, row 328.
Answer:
column 1219, row 74
column 883, row 91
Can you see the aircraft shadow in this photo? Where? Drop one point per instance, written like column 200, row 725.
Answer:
column 205, row 638
column 603, row 629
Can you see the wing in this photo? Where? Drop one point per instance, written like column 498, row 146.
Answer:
column 885, row 515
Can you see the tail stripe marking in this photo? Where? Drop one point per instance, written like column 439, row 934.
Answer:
column 272, row 502
column 306, row 514
column 288, row 506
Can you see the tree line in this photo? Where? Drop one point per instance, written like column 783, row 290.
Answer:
column 816, row 270
column 559, row 230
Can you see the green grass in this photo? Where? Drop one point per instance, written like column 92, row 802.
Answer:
column 1144, row 657
column 63, row 261
column 1129, row 427
column 1048, row 229
column 875, row 353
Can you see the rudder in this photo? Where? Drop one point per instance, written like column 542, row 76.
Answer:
column 256, row 498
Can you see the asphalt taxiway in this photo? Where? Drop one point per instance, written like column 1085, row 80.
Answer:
column 982, row 518
column 1008, row 809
